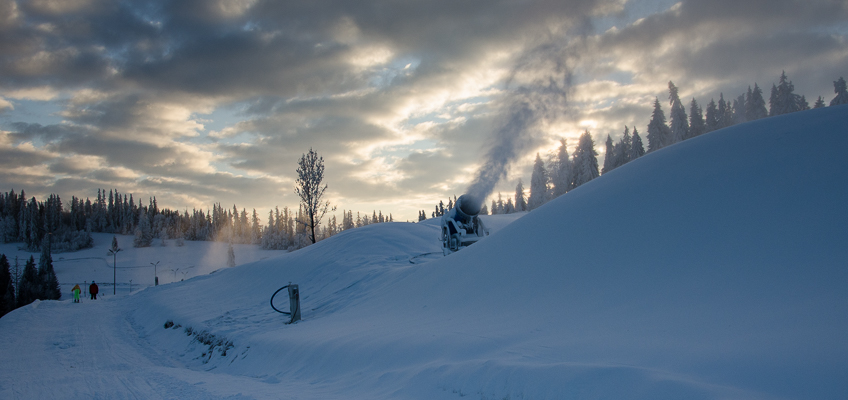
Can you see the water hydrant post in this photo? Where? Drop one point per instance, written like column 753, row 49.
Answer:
column 294, row 303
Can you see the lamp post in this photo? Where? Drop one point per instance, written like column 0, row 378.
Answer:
column 114, row 252
column 175, row 273
column 155, row 276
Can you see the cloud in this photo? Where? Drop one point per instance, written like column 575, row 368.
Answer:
column 214, row 101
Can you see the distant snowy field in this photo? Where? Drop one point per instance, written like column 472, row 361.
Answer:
column 712, row 269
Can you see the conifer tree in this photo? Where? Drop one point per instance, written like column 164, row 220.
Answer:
column 658, row 131
column 585, row 160
column 679, row 124
column 783, row 99
column 520, row 197
column 143, row 234
column 840, row 90
column 712, row 117
column 623, row 149
column 739, row 107
column 564, row 171
column 609, row 156
column 538, row 184
column 755, row 105
column 725, row 113
column 636, row 148
column 819, row 103
column 46, row 275
column 7, row 290
column 697, row 126
column 29, row 285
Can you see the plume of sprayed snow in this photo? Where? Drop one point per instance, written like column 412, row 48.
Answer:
column 524, row 109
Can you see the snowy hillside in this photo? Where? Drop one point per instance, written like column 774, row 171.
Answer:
column 711, row 269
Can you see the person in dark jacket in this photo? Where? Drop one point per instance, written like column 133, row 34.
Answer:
column 93, row 289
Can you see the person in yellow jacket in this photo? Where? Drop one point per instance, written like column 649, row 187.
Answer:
column 76, row 291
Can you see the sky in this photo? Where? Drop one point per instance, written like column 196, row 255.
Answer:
column 203, row 102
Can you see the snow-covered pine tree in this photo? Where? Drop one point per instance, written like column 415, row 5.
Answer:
column 658, row 131
column 565, row 172
column 46, row 274
column 712, row 117
column 500, row 204
column 609, row 156
column 755, row 105
column 838, row 88
column 29, row 284
column 508, row 207
column 622, row 149
column 697, row 126
column 520, row 197
column 7, row 290
column 636, row 148
column 739, row 107
column 679, row 123
column 484, row 210
column 725, row 112
column 538, row 184
column 494, row 207
column 143, row 233
column 783, row 99
column 585, row 159
column 819, row 103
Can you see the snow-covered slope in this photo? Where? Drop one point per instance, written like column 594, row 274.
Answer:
column 714, row 269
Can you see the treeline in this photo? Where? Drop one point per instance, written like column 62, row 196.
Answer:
column 29, row 221
column 33, row 284
column 562, row 173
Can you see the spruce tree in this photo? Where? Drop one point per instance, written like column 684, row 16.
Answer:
column 47, row 276
column 819, row 103
column 7, row 290
column 712, row 117
column 538, row 184
column 725, row 113
column 697, row 126
column 29, row 285
column 739, row 107
column 585, row 160
column 520, row 197
column 841, row 92
column 783, row 99
column 143, row 233
column 623, row 148
column 636, row 148
column 755, row 105
column 679, row 124
column 231, row 256
column 658, row 131
column 609, row 156
column 565, row 171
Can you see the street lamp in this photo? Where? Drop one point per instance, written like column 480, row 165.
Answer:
column 175, row 273
column 114, row 252
column 155, row 276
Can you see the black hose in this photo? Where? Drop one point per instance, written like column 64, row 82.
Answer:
column 272, row 301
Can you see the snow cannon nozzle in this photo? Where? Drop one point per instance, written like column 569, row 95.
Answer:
column 469, row 205
column 460, row 225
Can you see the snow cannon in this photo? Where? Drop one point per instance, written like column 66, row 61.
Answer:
column 461, row 227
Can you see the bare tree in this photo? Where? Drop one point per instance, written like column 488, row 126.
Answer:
column 310, row 174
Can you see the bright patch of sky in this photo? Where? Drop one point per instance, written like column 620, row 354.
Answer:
column 401, row 66
column 32, row 111
column 633, row 11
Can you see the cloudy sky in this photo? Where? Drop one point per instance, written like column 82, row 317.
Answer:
column 201, row 102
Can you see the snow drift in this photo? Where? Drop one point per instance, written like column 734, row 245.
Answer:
column 711, row 269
